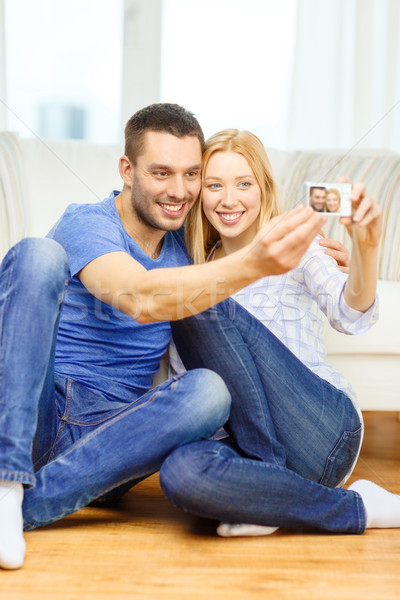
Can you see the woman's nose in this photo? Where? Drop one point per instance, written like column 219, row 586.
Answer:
column 228, row 198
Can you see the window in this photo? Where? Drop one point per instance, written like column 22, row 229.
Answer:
column 63, row 68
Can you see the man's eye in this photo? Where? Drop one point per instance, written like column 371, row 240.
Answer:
column 192, row 174
column 161, row 173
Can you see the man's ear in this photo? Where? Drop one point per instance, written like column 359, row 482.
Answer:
column 126, row 170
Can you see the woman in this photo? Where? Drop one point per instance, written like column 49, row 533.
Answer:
column 332, row 201
column 295, row 428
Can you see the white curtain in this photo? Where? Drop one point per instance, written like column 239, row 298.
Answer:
column 2, row 68
column 141, row 78
column 346, row 75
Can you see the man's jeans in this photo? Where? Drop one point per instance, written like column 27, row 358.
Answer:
column 65, row 443
column 294, row 436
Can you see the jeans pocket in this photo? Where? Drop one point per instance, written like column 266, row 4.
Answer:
column 80, row 411
column 342, row 458
column 80, row 405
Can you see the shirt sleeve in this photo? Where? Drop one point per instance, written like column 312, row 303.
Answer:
column 85, row 234
column 326, row 284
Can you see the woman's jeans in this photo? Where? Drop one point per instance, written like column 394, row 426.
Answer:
column 66, row 443
column 293, row 436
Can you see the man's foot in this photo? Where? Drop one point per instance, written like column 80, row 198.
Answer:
column 382, row 507
column 12, row 543
column 243, row 529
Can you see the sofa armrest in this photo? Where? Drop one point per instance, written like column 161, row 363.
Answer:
column 382, row 338
column 371, row 361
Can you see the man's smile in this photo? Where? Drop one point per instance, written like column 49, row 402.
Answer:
column 172, row 209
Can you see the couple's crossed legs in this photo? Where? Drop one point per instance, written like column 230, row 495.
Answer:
column 129, row 445
column 295, row 436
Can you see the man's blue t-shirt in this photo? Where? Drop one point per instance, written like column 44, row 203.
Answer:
column 97, row 344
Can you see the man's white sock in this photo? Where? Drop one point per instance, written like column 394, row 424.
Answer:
column 12, row 543
column 382, row 507
column 243, row 529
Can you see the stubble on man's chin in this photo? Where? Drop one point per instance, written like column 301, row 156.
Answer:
column 146, row 218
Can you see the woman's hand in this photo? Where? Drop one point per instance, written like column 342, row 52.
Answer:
column 338, row 251
column 366, row 222
column 280, row 244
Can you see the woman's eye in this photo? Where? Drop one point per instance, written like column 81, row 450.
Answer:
column 214, row 186
column 244, row 184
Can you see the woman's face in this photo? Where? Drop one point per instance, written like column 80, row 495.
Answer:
column 231, row 196
column 332, row 202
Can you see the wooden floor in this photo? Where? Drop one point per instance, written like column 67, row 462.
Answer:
column 149, row 550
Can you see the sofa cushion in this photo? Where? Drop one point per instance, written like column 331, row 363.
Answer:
column 60, row 172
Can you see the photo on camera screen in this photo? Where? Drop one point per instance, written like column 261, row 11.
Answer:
column 330, row 198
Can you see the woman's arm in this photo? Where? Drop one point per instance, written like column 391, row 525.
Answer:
column 365, row 228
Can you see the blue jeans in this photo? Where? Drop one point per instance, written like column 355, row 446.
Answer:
column 293, row 436
column 66, row 443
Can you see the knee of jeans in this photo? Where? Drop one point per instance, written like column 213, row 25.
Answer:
column 182, row 474
column 43, row 261
column 214, row 395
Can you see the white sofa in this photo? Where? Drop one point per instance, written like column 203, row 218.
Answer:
column 38, row 179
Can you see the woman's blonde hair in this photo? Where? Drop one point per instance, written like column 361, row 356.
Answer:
column 201, row 236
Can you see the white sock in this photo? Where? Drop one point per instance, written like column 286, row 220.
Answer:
column 382, row 507
column 243, row 529
column 12, row 543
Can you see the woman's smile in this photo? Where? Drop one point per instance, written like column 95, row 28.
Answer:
column 230, row 218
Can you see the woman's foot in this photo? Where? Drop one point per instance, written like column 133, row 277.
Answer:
column 243, row 529
column 12, row 543
column 382, row 507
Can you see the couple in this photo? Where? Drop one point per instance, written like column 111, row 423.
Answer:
column 325, row 200
column 85, row 319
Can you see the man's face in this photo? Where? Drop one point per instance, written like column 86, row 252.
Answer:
column 318, row 199
column 166, row 180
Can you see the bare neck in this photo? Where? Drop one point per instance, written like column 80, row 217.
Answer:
column 230, row 245
column 148, row 238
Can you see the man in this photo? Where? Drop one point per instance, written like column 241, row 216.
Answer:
column 317, row 198
column 78, row 415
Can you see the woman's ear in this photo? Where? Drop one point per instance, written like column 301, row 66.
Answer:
column 126, row 170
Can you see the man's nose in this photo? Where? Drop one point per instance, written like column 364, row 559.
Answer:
column 178, row 189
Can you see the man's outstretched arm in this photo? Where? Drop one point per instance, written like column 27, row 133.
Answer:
column 174, row 293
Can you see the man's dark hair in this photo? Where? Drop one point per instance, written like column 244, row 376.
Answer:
column 164, row 118
column 316, row 187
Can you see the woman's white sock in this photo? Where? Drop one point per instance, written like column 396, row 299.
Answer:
column 12, row 543
column 243, row 529
column 382, row 507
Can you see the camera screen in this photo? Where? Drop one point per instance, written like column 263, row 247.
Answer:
column 329, row 198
